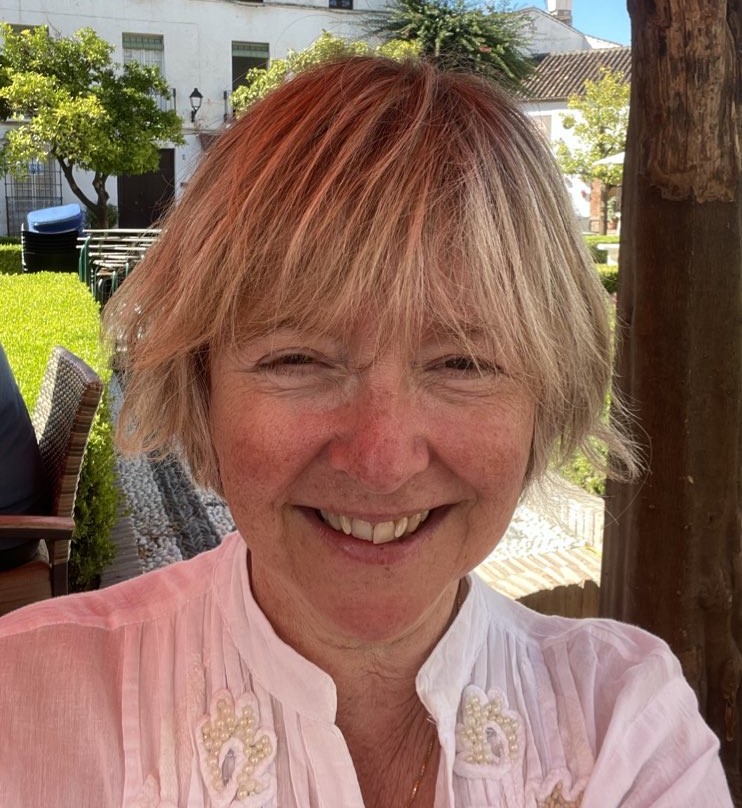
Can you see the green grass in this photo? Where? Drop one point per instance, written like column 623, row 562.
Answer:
column 40, row 311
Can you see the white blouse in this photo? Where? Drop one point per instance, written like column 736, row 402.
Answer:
column 173, row 690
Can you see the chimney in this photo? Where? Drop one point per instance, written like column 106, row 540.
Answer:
column 561, row 9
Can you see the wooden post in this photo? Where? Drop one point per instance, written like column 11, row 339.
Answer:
column 672, row 560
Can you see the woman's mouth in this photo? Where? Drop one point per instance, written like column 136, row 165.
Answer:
column 379, row 533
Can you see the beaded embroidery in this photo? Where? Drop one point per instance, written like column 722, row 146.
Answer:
column 556, row 800
column 489, row 740
column 236, row 754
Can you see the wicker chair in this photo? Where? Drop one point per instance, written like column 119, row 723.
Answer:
column 62, row 419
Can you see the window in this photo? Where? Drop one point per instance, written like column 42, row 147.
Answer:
column 245, row 56
column 147, row 49
column 348, row 4
column 17, row 28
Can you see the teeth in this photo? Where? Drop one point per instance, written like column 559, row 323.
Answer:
column 362, row 530
column 384, row 532
column 380, row 533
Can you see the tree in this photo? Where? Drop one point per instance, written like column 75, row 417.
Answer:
column 261, row 80
column 71, row 101
column 672, row 557
column 599, row 123
column 484, row 39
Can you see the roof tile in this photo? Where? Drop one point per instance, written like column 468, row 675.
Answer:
column 560, row 75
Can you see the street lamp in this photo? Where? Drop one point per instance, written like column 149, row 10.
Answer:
column 195, row 98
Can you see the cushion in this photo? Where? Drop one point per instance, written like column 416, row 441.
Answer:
column 23, row 484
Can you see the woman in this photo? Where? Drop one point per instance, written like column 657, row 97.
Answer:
column 370, row 324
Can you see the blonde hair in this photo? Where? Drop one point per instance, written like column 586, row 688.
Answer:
column 423, row 195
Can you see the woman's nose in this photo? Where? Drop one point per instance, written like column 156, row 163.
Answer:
column 381, row 442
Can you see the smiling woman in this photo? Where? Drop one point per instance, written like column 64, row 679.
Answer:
column 370, row 323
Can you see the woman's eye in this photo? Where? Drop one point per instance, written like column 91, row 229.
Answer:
column 287, row 364
column 295, row 363
column 293, row 359
column 464, row 363
column 468, row 365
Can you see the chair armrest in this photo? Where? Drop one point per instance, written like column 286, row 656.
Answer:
column 33, row 528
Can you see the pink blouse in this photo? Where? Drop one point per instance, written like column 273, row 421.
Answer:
column 173, row 690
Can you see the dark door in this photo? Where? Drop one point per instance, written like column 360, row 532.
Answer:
column 144, row 198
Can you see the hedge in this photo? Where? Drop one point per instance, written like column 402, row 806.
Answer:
column 592, row 241
column 40, row 311
column 10, row 259
column 608, row 276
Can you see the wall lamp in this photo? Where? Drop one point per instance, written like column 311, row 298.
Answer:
column 195, row 98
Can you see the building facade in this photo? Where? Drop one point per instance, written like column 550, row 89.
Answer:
column 204, row 45
column 203, row 49
column 558, row 77
column 566, row 59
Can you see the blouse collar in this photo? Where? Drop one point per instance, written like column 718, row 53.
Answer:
column 306, row 688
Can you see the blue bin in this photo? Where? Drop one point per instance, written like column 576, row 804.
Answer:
column 59, row 219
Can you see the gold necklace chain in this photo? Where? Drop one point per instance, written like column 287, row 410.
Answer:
column 431, row 745
column 418, row 782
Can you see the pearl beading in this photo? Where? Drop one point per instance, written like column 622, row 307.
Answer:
column 236, row 753
column 489, row 739
column 557, row 800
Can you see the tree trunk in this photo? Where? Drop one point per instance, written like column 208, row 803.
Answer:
column 101, row 208
column 68, row 171
column 672, row 560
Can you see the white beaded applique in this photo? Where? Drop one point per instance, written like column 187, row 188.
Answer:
column 489, row 740
column 236, row 754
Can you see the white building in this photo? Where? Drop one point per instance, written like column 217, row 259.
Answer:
column 566, row 59
column 203, row 44
column 208, row 44
column 551, row 31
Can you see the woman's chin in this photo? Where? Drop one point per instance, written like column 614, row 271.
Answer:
column 386, row 620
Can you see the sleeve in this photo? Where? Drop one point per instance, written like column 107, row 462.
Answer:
column 60, row 743
column 657, row 751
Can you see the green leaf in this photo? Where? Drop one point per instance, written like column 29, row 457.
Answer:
column 74, row 103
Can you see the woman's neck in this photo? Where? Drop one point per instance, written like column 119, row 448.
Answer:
column 390, row 736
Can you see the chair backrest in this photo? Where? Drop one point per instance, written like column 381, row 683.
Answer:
column 62, row 419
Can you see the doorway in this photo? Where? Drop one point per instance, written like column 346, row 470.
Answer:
column 145, row 198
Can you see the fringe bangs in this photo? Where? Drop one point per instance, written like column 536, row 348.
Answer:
column 419, row 198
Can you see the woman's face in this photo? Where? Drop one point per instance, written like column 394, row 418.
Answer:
column 366, row 483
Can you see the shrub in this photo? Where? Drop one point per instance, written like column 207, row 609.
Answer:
column 40, row 311
column 10, row 259
column 112, row 217
column 608, row 276
column 592, row 241
column 582, row 473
